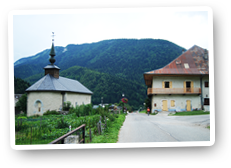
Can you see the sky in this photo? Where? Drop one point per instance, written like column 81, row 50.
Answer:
column 32, row 30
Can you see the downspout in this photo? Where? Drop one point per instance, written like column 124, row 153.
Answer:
column 201, row 91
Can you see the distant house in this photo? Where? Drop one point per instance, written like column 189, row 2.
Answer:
column 51, row 91
column 182, row 85
column 16, row 98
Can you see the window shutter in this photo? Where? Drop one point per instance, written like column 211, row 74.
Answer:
column 162, row 84
column 172, row 103
column 184, row 86
column 192, row 86
column 170, row 84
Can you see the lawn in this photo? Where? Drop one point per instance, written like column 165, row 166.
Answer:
column 188, row 113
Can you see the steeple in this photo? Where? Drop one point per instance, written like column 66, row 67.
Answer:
column 52, row 52
column 51, row 68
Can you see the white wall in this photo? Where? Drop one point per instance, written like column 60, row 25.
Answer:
column 180, row 102
column 180, row 99
column 49, row 101
column 53, row 101
column 78, row 98
column 177, row 82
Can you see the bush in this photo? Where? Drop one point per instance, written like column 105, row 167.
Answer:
column 66, row 106
column 52, row 112
column 21, row 105
column 62, row 124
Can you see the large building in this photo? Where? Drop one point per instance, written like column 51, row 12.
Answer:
column 51, row 91
column 182, row 85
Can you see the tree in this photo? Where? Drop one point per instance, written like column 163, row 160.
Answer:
column 21, row 105
column 147, row 102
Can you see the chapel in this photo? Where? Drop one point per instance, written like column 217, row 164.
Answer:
column 52, row 90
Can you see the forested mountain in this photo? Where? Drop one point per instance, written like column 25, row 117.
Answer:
column 20, row 86
column 113, row 66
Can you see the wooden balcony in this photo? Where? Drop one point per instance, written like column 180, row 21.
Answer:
column 174, row 91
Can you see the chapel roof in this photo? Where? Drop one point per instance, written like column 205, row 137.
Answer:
column 50, row 83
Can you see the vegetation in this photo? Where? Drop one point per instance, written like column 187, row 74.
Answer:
column 20, row 86
column 21, row 105
column 187, row 113
column 44, row 129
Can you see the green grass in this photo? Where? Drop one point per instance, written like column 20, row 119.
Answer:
column 143, row 111
column 111, row 134
column 189, row 113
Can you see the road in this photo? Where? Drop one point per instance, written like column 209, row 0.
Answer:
column 139, row 127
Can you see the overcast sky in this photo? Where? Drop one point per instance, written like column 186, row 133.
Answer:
column 32, row 30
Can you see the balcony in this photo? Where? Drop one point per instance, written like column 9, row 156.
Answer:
column 174, row 91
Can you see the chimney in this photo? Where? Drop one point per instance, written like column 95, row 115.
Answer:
column 183, row 50
column 205, row 54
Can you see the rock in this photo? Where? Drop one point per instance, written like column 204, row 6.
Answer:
column 72, row 139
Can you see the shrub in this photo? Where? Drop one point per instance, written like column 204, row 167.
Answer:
column 52, row 112
column 66, row 106
column 62, row 124
column 21, row 105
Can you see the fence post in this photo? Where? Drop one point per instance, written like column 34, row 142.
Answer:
column 31, row 136
column 90, row 134
column 98, row 128
column 84, row 134
column 105, row 119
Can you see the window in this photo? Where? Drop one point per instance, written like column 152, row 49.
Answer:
column 206, row 84
column 166, row 84
column 188, row 84
column 38, row 105
column 206, row 101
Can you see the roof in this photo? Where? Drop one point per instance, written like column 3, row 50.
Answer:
column 51, row 67
column 191, row 62
column 50, row 83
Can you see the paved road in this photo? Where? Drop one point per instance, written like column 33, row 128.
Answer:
column 162, row 128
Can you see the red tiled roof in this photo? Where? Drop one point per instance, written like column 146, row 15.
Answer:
column 191, row 62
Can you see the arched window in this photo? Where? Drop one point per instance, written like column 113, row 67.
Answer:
column 38, row 106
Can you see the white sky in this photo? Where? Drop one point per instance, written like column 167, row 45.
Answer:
column 183, row 26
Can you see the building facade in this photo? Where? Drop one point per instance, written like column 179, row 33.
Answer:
column 182, row 85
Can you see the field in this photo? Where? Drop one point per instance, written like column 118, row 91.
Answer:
column 44, row 129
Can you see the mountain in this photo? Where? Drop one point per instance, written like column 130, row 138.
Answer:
column 105, row 65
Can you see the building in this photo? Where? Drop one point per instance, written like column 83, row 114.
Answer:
column 51, row 91
column 182, row 85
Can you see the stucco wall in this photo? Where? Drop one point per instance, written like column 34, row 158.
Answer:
column 180, row 99
column 78, row 99
column 180, row 102
column 52, row 101
column 177, row 82
column 49, row 101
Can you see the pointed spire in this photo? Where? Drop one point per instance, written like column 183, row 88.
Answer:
column 52, row 52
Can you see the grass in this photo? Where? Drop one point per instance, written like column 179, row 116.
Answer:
column 143, row 111
column 111, row 134
column 189, row 113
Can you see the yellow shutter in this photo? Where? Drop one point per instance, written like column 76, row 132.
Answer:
column 184, row 86
column 192, row 86
column 172, row 103
column 170, row 84
column 162, row 84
